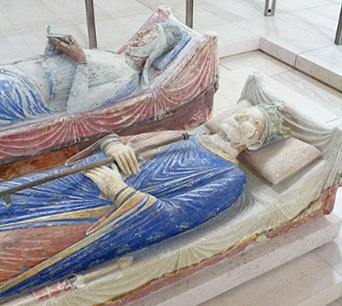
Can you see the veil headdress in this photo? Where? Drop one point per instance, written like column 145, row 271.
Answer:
column 168, row 35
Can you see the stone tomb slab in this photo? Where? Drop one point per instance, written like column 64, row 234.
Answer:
column 254, row 261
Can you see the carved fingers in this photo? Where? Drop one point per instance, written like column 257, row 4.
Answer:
column 124, row 157
column 73, row 50
column 106, row 179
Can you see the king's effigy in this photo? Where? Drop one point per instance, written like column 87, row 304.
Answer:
column 178, row 189
column 192, row 191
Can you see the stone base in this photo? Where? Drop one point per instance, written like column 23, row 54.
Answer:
column 252, row 262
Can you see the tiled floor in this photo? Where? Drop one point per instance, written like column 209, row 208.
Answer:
column 301, row 35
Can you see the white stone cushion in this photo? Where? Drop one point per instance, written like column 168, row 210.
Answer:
column 280, row 160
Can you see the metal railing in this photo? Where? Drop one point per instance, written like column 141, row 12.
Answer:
column 270, row 6
column 338, row 37
column 189, row 13
column 91, row 24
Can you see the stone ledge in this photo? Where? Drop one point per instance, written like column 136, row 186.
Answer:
column 252, row 262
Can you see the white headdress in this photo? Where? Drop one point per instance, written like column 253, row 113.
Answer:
column 168, row 35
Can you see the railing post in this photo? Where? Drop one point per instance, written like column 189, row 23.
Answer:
column 338, row 37
column 270, row 8
column 91, row 24
column 189, row 19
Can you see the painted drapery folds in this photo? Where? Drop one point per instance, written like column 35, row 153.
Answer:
column 262, row 208
column 183, row 186
column 173, row 90
column 19, row 99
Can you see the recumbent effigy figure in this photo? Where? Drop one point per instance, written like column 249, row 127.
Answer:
column 178, row 189
column 68, row 78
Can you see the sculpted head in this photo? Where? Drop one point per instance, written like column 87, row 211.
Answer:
column 141, row 47
column 152, row 42
column 253, row 127
column 243, row 130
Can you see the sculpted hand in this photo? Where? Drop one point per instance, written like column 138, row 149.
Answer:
column 124, row 156
column 108, row 180
column 73, row 50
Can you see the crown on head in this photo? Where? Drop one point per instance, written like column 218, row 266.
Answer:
column 274, row 129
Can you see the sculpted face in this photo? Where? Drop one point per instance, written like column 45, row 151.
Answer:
column 145, row 36
column 135, row 55
column 243, row 130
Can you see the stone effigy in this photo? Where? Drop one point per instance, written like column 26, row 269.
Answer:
column 67, row 78
column 178, row 189
column 174, row 190
column 164, row 77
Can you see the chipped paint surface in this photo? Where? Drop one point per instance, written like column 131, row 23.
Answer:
column 190, row 185
column 19, row 99
column 105, row 78
column 183, row 87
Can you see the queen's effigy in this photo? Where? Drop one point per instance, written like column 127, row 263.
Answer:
column 54, row 105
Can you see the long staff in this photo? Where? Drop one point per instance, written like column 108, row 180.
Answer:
column 7, row 192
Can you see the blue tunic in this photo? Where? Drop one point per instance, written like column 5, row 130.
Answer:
column 46, row 85
column 20, row 99
column 191, row 186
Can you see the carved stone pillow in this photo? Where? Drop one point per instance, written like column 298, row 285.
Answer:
column 278, row 161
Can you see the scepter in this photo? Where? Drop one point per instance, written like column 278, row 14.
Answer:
column 6, row 193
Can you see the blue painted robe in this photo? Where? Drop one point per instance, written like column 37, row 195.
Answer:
column 190, row 184
column 20, row 99
column 46, row 85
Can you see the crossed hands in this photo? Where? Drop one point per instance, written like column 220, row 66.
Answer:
column 109, row 180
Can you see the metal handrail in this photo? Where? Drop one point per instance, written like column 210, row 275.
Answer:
column 89, row 4
column 189, row 17
column 189, row 13
column 270, row 6
column 91, row 24
column 338, row 37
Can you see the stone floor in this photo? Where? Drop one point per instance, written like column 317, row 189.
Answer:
column 301, row 33
column 300, row 40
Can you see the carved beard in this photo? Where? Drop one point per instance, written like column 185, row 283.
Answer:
column 231, row 135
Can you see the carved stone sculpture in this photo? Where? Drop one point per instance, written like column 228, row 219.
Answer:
column 164, row 77
column 175, row 200
column 73, row 80
column 178, row 189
